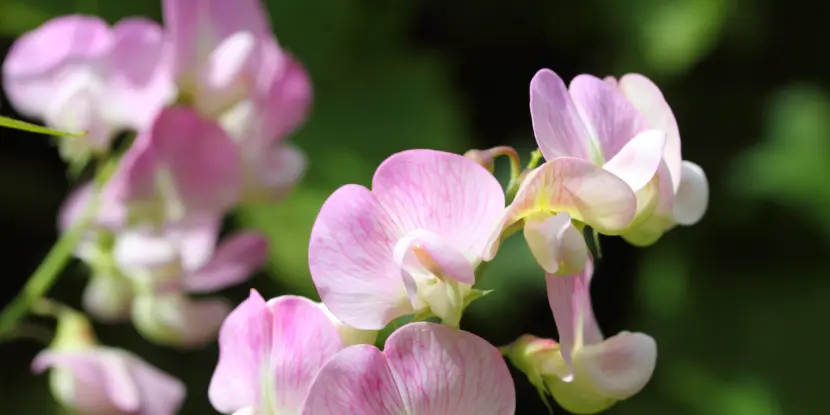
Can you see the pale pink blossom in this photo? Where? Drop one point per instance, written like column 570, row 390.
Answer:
column 585, row 372
column 90, row 379
column 79, row 74
column 424, row 369
column 269, row 354
column 410, row 244
column 682, row 198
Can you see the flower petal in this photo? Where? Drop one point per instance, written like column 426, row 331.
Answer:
column 557, row 245
column 558, row 127
column 244, row 349
column 426, row 251
column 648, row 229
column 637, row 162
column 440, row 370
column 304, row 339
column 196, row 27
column 444, row 193
column 108, row 297
column 131, row 384
column 356, row 381
column 587, row 192
column 234, row 261
column 349, row 335
column 175, row 320
column 38, row 59
column 611, row 120
column 137, row 73
column 692, row 198
column 570, row 302
column 275, row 173
column 647, row 98
column 351, row 260
column 620, row 366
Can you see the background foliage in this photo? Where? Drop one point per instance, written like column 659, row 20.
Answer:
column 735, row 303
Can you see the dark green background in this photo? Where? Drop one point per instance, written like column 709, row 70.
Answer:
column 738, row 304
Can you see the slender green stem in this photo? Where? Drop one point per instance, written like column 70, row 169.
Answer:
column 34, row 128
column 47, row 272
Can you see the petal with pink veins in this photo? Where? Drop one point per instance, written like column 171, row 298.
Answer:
column 269, row 353
column 559, row 129
column 557, row 245
column 611, row 120
column 425, row 369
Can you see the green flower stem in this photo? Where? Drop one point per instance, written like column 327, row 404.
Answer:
column 34, row 128
column 48, row 271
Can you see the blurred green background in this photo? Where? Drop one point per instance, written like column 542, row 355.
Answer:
column 735, row 303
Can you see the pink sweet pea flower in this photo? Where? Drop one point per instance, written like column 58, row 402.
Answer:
column 94, row 380
column 424, row 369
column 600, row 169
column 269, row 354
column 684, row 198
column 411, row 244
column 78, row 74
column 164, row 267
column 585, row 373
column 183, row 166
column 222, row 50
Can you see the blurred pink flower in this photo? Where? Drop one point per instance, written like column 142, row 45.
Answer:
column 229, row 65
column 584, row 372
column 78, row 74
column 269, row 353
column 184, row 166
column 411, row 244
column 683, row 190
column 91, row 379
column 424, row 369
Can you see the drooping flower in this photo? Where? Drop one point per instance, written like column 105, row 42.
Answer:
column 684, row 198
column 78, row 74
column 90, row 379
column 410, row 244
column 600, row 169
column 166, row 266
column 584, row 372
column 184, row 166
column 424, row 369
column 269, row 354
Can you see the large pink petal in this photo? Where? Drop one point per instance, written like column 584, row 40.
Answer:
column 637, row 162
column 648, row 99
column 440, row 370
column 38, row 59
column 351, row 260
column 558, row 127
column 587, row 192
column 129, row 384
column 620, row 366
column 444, row 193
column 356, row 381
column 244, row 349
column 234, row 261
column 196, row 27
column 304, row 339
column 273, row 348
column 137, row 73
column 611, row 119
column 570, row 302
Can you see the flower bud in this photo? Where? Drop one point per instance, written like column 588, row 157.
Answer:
column 108, row 297
column 483, row 158
column 175, row 320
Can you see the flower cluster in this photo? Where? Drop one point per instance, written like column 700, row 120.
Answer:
column 208, row 100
